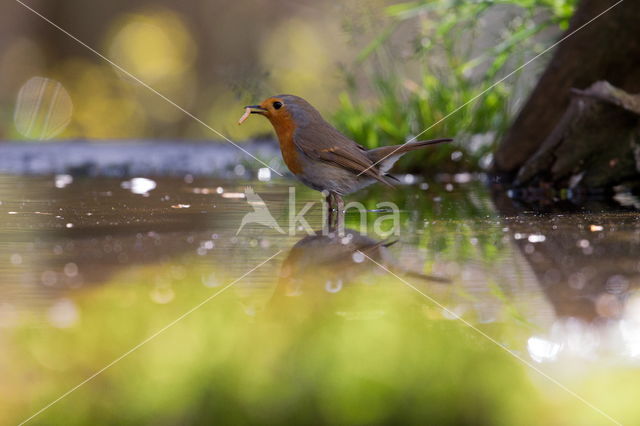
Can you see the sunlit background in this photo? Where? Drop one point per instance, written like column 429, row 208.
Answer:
column 382, row 71
column 208, row 57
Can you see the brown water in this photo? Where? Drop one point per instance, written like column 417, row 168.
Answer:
column 541, row 316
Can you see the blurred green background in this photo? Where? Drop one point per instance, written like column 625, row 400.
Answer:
column 382, row 71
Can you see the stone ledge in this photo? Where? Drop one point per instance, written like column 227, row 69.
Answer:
column 136, row 157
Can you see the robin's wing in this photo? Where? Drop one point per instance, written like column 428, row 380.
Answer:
column 325, row 143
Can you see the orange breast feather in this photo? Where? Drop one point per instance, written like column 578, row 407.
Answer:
column 285, row 127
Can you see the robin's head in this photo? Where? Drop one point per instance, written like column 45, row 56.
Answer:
column 286, row 110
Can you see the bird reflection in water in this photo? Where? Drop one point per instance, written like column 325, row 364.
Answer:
column 325, row 264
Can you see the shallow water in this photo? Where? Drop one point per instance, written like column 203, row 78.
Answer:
column 541, row 309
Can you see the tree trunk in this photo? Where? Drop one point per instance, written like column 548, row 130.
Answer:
column 606, row 49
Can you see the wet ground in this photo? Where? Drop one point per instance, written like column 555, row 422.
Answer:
column 476, row 310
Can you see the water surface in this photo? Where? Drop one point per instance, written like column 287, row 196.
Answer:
column 333, row 329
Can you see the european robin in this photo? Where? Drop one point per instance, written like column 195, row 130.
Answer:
column 322, row 157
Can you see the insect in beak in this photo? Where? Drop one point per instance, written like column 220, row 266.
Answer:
column 252, row 109
column 256, row 109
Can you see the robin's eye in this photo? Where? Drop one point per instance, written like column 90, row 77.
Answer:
column 277, row 105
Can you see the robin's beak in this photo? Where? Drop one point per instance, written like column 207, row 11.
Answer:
column 257, row 109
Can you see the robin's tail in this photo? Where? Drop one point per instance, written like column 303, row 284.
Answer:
column 386, row 156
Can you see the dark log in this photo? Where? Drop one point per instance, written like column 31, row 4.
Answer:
column 596, row 144
column 606, row 49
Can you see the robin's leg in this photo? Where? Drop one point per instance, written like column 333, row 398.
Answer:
column 330, row 204
column 329, row 199
column 339, row 204
column 340, row 213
